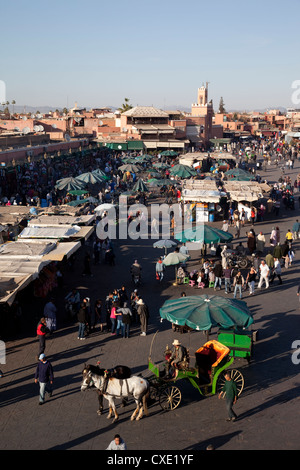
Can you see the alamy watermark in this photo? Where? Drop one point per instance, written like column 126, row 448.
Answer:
column 156, row 221
column 2, row 92
column 296, row 353
column 2, row 353
column 296, row 94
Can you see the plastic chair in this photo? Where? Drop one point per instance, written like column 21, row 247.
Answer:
column 192, row 283
column 211, row 284
column 186, row 280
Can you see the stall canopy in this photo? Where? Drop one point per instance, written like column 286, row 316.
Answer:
column 49, row 232
column 11, row 285
column 58, row 220
column 201, row 195
column 243, row 190
column 62, row 250
column 33, row 250
column 26, row 249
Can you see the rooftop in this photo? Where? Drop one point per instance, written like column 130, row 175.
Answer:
column 145, row 111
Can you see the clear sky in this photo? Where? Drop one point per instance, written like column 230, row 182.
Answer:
column 155, row 52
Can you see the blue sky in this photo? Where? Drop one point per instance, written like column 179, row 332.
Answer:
column 155, row 53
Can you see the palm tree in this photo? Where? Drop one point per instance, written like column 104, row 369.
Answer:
column 13, row 103
column 125, row 106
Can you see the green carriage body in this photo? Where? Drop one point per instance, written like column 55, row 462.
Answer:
column 206, row 376
column 239, row 341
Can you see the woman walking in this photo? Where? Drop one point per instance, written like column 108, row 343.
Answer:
column 113, row 318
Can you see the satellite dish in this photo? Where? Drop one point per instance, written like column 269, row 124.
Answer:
column 26, row 130
column 24, row 118
column 67, row 137
column 36, row 128
column 100, row 123
column 17, row 129
column 41, row 128
column 54, row 126
column 33, row 116
column 39, row 116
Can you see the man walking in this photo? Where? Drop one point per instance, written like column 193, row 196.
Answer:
column 229, row 391
column 276, row 271
column 238, row 284
column 227, row 279
column 143, row 313
column 44, row 375
column 264, row 275
column 218, row 272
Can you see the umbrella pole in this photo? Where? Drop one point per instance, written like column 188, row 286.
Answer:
column 175, row 283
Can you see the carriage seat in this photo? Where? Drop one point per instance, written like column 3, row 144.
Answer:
column 209, row 356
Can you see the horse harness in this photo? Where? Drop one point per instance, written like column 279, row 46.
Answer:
column 103, row 389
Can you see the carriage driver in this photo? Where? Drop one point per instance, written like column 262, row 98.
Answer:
column 177, row 356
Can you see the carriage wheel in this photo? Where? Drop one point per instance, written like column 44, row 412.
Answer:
column 238, row 378
column 153, row 395
column 170, row 397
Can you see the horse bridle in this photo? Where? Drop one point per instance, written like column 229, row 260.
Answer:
column 89, row 381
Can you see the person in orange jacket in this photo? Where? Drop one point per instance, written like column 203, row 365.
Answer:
column 41, row 332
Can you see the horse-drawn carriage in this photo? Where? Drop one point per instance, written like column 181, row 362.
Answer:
column 207, row 375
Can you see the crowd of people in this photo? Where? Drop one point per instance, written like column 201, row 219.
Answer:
column 116, row 314
column 121, row 313
column 32, row 182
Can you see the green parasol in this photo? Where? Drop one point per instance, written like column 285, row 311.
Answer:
column 129, row 167
column 204, row 234
column 169, row 153
column 239, row 174
column 202, row 312
column 140, row 186
column 161, row 166
column 78, row 192
column 90, row 178
column 182, row 171
column 101, row 173
column 68, row 184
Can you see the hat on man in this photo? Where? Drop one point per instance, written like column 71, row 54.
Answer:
column 176, row 342
column 42, row 356
column 140, row 302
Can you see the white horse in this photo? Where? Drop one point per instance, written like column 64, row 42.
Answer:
column 112, row 388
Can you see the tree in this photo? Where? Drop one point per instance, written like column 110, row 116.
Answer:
column 222, row 106
column 125, row 106
column 13, row 103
